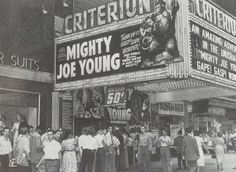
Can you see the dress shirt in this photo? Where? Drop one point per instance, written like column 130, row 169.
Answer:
column 5, row 146
column 52, row 149
column 145, row 139
column 108, row 139
column 22, row 143
column 116, row 141
column 99, row 138
column 165, row 141
column 87, row 142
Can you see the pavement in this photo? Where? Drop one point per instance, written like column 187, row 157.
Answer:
column 210, row 165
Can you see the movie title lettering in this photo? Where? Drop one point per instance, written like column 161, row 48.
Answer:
column 119, row 115
column 105, row 14
column 212, row 14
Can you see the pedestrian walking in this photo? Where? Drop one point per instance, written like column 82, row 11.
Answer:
column 15, row 128
column 190, row 150
column 124, row 149
column 144, row 150
column 52, row 153
column 111, row 145
column 88, row 146
column 219, row 147
column 178, row 143
column 36, row 150
column 200, row 144
column 101, row 152
column 22, row 150
column 165, row 143
column 130, row 150
column 119, row 149
column 5, row 150
column 69, row 159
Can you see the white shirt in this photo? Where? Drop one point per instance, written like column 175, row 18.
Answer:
column 99, row 138
column 108, row 139
column 44, row 138
column 52, row 149
column 5, row 146
column 165, row 141
column 87, row 142
column 111, row 140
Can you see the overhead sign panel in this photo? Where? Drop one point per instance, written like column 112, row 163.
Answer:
column 213, row 46
column 151, row 44
column 104, row 14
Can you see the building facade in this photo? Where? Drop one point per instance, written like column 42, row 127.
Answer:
column 143, row 62
column 26, row 62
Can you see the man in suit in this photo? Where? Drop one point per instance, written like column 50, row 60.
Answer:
column 178, row 142
column 190, row 150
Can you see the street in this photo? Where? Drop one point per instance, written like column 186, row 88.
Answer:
column 229, row 164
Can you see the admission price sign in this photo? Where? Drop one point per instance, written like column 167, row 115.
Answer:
column 211, row 53
column 116, row 96
column 115, row 103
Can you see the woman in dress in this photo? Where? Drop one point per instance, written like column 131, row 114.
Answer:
column 69, row 159
column 200, row 144
column 219, row 147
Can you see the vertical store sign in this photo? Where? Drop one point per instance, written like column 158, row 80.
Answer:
column 66, row 110
column 212, row 52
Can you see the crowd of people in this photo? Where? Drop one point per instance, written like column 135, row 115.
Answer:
column 28, row 150
column 110, row 149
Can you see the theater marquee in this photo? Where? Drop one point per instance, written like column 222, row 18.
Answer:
column 148, row 45
column 213, row 37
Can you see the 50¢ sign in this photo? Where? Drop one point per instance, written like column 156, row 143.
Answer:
column 116, row 96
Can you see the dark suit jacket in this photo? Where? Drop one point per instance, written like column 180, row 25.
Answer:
column 190, row 148
column 178, row 142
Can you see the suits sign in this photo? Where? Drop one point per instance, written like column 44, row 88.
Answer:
column 151, row 44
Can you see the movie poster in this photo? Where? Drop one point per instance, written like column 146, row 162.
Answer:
column 89, row 103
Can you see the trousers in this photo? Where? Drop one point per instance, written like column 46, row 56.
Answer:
column 86, row 161
column 4, row 161
column 52, row 165
column 101, row 160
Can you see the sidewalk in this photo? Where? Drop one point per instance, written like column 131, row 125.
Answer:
column 229, row 164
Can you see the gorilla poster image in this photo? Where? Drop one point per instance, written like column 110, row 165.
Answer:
column 139, row 104
column 89, row 103
column 158, row 41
